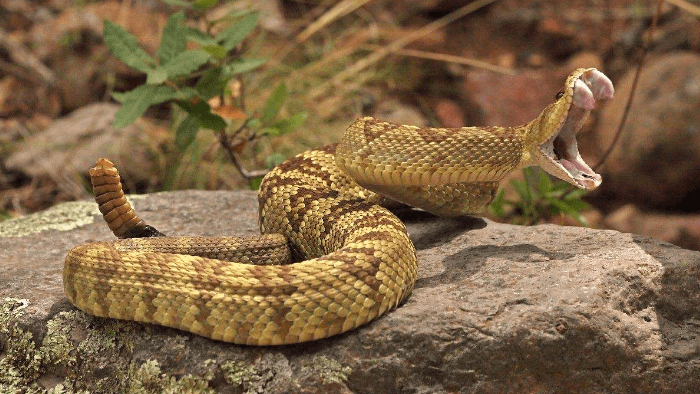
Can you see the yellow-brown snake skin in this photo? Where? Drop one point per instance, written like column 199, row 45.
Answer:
column 331, row 257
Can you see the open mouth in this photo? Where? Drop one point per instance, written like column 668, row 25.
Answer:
column 563, row 159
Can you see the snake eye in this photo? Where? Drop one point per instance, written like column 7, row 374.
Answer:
column 559, row 95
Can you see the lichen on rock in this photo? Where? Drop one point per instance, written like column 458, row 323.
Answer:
column 239, row 373
column 329, row 370
column 63, row 353
column 148, row 378
column 61, row 217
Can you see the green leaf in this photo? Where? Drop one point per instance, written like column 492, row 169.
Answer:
column 254, row 123
column 244, row 65
column 186, row 93
column 270, row 131
column 521, row 188
column 212, row 83
column 186, row 132
column 202, row 111
column 215, row 51
column 185, row 62
column 178, row 3
column 545, row 184
column 174, row 38
column 560, row 187
column 274, row 103
column 578, row 205
column 291, row 123
column 255, row 183
column 232, row 36
column 205, row 3
column 569, row 210
column 274, row 160
column 284, row 126
column 119, row 96
column 126, row 48
column 156, row 76
column 496, row 206
column 576, row 194
column 231, row 15
column 137, row 101
column 199, row 37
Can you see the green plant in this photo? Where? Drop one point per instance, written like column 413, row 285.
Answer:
column 191, row 79
column 543, row 202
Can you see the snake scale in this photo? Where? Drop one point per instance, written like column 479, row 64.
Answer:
column 331, row 257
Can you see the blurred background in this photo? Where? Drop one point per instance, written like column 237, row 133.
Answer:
column 289, row 75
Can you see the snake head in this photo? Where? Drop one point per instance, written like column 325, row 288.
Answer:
column 557, row 150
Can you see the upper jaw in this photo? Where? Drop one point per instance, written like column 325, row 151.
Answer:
column 559, row 155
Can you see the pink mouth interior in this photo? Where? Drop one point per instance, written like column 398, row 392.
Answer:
column 588, row 89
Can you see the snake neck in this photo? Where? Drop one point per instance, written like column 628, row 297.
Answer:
column 530, row 135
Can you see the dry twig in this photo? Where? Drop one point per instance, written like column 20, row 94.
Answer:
column 444, row 57
column 640, row 66
column 643, row 52
column 375, row 57
column 26, row 60
column 686, row 6
column 341, row 9
column 236, row 160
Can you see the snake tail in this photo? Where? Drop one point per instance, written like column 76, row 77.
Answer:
column 116, row 210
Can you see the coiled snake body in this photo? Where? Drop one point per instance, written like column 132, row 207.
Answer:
column 332, row 257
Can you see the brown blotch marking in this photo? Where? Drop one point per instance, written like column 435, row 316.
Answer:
column 368, row 276
column 346, row 206
column 374, row 235
column 429, row 135
column 308, row 194
column 103, row 285
column 211, row 280
column 373, row 128
column 298, row 163
column 496, row 130
column 349, row 262
column 202, row 317
column 267, row 288
column 330, row 148
column 152, row 294
column 281, row 320
column 316, row 172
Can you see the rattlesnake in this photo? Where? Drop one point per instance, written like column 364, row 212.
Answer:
column 332, row 257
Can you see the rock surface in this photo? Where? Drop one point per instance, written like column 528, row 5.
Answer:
column 497, row 308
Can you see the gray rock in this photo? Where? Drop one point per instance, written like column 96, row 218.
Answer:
column 496, row 309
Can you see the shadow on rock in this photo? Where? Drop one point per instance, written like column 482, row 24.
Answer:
column 467, row 262
column 429, row 231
